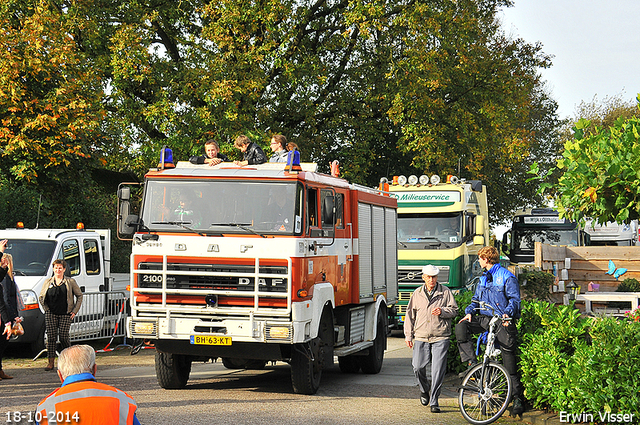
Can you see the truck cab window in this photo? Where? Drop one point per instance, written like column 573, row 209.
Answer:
column 339, row 210
column 298, row 209
column 71, row 254
column 327, row 221
column 312, row 203
column 92, row 256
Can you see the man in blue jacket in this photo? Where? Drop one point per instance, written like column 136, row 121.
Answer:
column 500, row 288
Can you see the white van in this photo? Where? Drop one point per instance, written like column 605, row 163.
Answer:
column 87, row 254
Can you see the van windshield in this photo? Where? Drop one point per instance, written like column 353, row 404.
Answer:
column 214, row 207
column 30, row 257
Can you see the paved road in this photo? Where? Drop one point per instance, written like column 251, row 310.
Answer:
column 215, row 395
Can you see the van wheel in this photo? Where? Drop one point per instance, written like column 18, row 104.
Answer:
column 372, row 362
column 38, row 344
column 172, row 370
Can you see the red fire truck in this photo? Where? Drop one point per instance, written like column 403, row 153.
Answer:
column 260, row 263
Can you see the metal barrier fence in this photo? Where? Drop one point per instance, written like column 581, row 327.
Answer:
column 102, row 315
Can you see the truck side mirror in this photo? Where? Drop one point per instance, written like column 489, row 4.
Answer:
column 479, row 230
column 129, row 225
column 506, row 246
column 124, row 193
column 127, row 222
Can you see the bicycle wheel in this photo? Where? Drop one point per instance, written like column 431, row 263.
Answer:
column 483, row 402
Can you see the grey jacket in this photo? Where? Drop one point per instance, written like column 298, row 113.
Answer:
column 280, row 156
column 72, row 290
column 420, row 324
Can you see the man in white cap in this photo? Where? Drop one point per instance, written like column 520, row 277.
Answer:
column 427, row 328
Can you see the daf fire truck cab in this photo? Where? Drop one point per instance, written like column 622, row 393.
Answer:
column 260, row 263
column 440, row 223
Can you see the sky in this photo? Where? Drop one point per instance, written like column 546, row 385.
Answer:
column 595, row 44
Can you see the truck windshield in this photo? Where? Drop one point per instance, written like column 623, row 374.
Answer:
column 214, row 207
column 30, row 257
column 525, row 239
column 429, row 230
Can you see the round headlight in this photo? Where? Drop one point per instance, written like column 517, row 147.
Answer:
column 435, row 179
column 384, row 180
column 424, row 179
column 413, row 179
column 402, row 180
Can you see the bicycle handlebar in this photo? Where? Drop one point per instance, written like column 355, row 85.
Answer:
column 486, row 306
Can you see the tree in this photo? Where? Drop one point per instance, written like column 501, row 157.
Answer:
column 601, row 114
column 49, row 99
column 599, row 172
column 423, row 86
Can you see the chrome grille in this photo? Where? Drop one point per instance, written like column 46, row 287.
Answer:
column 186, row 276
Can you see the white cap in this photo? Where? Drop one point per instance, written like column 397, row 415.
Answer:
column 430, row 270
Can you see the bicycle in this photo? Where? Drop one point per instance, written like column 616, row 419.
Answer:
column 486, row 389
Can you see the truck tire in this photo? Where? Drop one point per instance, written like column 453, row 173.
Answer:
column 349, row 364
column 233, row 363
column 172, row 370
column 306, row 367
column 372, row 362
column 308, row 360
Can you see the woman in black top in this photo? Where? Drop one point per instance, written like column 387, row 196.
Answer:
column 60, row 307
column 6, row 317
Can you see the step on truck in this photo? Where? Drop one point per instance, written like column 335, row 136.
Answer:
column 260, row 263
column 87, row 253
column 440, row 223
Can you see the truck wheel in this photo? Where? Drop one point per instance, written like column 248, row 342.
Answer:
column 349, row 364
column 172, row 370
column 308, row 360
column 306, row 367
column 38, row 344
column 372, row 363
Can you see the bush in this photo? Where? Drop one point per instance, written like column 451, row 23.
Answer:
column 570, row 363
column 630, row 284
column 535, row 285
column 454, row 364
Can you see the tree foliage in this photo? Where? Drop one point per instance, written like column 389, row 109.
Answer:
column 386, row 87
column 601, row 177
column 49, row 97
column 600, row 113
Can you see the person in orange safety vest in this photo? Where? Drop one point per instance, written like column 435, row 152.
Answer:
column 82, row 400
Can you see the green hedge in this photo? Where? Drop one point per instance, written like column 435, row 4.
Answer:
column 571, row 363
column 575, row 364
